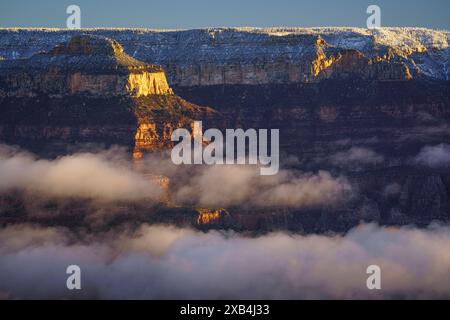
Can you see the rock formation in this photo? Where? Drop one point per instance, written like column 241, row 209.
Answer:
column 328, row 90
column 89, row 65
column 88, row 90
column 249, row 56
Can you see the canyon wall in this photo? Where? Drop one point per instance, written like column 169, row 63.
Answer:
column 384, row 94
column 249, row 56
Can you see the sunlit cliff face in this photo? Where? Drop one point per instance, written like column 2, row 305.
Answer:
column 152, row 136
column 134, row 84
column 210, row 216
column 147, row 83
column 146, row 137
column 354, row 62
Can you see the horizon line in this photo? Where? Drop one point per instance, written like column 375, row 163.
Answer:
column 243, row 28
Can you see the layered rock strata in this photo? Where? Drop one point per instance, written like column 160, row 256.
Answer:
column 87, row 90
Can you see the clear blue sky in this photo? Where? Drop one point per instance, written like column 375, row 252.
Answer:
column 187, row 14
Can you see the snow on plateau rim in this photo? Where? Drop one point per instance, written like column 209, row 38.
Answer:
column 400, row 37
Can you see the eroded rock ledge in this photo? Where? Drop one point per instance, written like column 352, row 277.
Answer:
column 89, row 65
column 87, row 90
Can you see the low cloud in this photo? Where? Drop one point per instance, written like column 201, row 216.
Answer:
column 392, row 189
column 166, row 262
column 111, row 175
column 104, row 176
column 434, row 156
column 242, row 185
column 356, row 156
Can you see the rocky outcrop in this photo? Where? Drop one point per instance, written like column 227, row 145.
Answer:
column 87, row 90
column 353, row 64
column 158, row 116
column 211, row 217
column 86, row 65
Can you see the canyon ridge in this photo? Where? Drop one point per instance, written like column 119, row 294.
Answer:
column 355, row 102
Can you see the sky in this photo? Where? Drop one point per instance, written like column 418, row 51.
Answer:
column 188, row 14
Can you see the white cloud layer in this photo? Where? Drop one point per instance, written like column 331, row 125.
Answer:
column 111, row 175
column 434, row 156
column 101, row 176
column 166, row 262
column 239, row 185
column 356, row 156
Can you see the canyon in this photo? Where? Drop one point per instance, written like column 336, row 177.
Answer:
column 332, row 92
